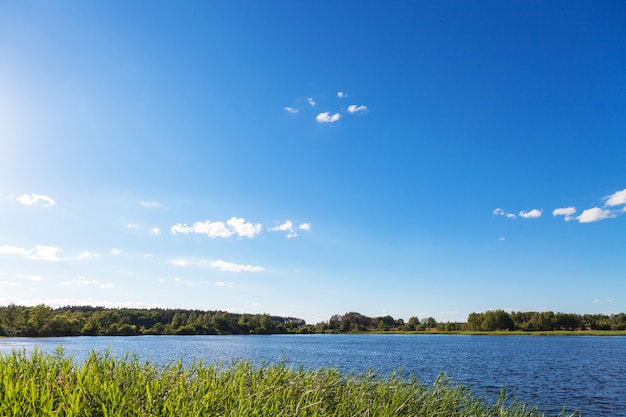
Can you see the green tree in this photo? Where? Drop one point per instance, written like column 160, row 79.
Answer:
column 37, row 318
column 413, row 323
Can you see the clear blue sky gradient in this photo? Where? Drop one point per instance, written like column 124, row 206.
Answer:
column 313, row 158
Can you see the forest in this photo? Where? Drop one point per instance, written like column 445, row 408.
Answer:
column 45, row 321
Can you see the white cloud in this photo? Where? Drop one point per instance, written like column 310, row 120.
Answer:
column 150, row 204
column 616, row 199
column 305, row 226
column 30, row 277
column 327, row 118
column 40, row 252
column 341, row 94
column 242, row 228
column 291, row 109
column 594, row 214
column 10, row 283
column 564, row 211
column 148, row 255
column 502, row 239
column 353, row 108
column 310, row 100
column 218, row 229
column 533, row 214
column 180, row 262
column 132, row 226
column 45, row 253
column 212, row 229
column 155, row 231
column 12, row 250
column 81, row 282
column 36, row 199
column 287, row 226
column 232, row 267
column 88, row 255
column 500, row 212
column 116, row 251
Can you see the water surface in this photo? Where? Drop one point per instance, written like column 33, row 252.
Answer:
column 579, row 373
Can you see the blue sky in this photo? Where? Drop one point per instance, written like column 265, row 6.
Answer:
column 313, row 158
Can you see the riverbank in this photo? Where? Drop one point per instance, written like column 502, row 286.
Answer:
column 53, row 384
column 518, row 333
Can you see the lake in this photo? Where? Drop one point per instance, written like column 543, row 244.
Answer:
column 551, row 372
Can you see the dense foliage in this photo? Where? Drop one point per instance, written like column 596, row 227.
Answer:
column 543, row 321
column 42, row 320
column 51, row 385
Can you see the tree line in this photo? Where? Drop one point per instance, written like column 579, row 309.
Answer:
column 42, row 320
column 543, row 321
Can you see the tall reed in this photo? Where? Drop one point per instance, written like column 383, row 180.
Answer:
column 38, row 384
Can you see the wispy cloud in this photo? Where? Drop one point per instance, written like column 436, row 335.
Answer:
column 30, row 277
column 232, row 267
column 500, row 212
column 353, row 108
column 155, row 231
column 311, row 101
column 82, row 282
column 532, row 214
column 287, row 226
column 341, row 94
column 87, row 255
column 234, row 226
column 132, row 226
column 184, row 281
column 218, row 264
column 116, row 251
column 564, row 211
column 13, row 250
column 36, row 199
column 39, row 252
column 326, row 117
column 291, row 109
column 150, row 204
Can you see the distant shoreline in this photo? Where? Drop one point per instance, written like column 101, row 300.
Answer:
column 580, row 333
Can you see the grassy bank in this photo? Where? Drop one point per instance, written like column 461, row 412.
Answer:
column 44, row 385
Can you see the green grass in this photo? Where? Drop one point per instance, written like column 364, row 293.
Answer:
column 40, row 384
